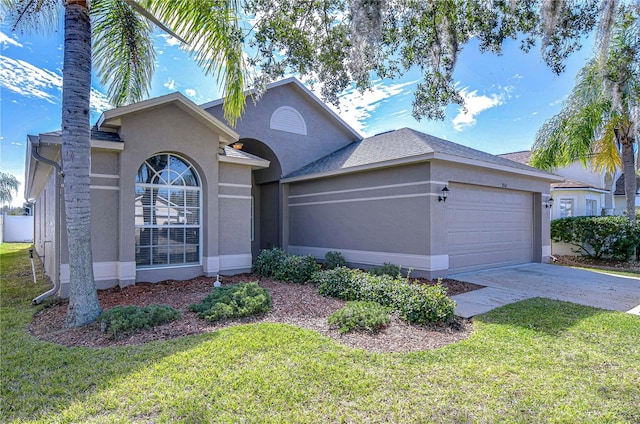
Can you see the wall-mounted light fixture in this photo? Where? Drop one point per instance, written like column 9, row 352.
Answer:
column 549, row 203
column 444, row 195
column 237, row 145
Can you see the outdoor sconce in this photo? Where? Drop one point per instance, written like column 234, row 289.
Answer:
column 237, row 145
column 444, row 195
column 549, row 203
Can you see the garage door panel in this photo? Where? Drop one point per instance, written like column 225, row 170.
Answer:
column 488, row 227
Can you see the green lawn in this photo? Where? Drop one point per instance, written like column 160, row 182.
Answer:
column 534, row 361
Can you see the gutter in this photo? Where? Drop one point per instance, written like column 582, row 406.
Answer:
column 58, row 175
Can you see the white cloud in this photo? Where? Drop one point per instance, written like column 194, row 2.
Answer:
column 170, row 84
column 474, row 104
column 169, row 40
column 356, row 107
column 5, row 39
column 27, row 80
column 190, row 92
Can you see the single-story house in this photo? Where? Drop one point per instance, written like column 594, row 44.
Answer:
column 177, row 193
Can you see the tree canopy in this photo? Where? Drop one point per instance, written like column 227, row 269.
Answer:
column 337, row 43
column 8, row 185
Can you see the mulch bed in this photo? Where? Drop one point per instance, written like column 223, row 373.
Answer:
column 603, row 264
column 294, row 304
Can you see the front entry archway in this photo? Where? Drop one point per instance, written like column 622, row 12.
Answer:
column 267, row 198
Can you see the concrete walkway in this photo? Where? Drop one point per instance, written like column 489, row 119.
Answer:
column 515, row 283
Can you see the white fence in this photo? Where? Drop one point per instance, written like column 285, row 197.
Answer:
column 16, row 228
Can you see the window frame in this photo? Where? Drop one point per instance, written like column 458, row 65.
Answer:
column 183, row 209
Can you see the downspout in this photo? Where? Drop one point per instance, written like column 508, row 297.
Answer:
column 56, row 260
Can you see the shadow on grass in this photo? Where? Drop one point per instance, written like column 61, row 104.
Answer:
column 552, row 317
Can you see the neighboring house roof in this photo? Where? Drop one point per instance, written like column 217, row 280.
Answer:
column 524, row 157
column 111, row 119
column 405, row 146
column 294, row 81
column 620, row 186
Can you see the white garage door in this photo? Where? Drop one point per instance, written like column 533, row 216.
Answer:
column 488, row 227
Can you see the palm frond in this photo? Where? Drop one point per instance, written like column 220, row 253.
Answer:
column 606, row 153
column 31, row 15
column 123, row 52
column 215, row 40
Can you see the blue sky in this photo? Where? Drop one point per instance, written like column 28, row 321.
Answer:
column 508, row 97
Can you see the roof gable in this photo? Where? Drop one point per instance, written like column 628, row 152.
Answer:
column 112, row 119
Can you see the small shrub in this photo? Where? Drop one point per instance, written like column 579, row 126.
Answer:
column 268, row 261
column 235, row 301
column 338, row 282
column 126, row 319
column 386, row 269
column 297, row 269
column 333, row 259
column 415, row 303
column 360, row 316
column 276, row 263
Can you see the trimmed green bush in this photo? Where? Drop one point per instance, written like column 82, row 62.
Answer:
column 277, row 264
column 387, row 268
column 121, row 320
column 415, row 303
column 235, row 301
column 333, row 259
column 297, row 269
column 360, row 316
column 268, row 261
column 597, row 237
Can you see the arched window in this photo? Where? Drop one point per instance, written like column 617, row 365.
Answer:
column 167, row 212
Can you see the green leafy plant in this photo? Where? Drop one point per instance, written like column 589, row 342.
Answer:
column 268, row 261
column 415, row 303
column 121, row 320
column 235, row 301
column 360, row 316
column 334, row 259
column 276, row 263
column 597, row 237
column 387, row 268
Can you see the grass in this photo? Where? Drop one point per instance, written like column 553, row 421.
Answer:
column 534, row 361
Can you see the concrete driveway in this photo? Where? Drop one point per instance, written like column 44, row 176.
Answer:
column 511, row 284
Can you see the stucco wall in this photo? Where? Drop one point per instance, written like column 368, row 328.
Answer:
column 384, row 211
column 235, row 209
column 324, row 134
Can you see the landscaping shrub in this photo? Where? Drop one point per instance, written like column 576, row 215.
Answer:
column 595, row 237
column 333, row 259
column 297, row 269
column 386, row 269
column 126, row 319
column 360, row 316
column 235, row 301
column 415, row 303
column 268, row 261
column 276, row 263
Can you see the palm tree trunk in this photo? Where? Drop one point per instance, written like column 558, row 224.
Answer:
column 84, row 307
column 630, row 183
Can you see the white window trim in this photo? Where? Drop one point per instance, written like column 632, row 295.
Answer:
column 574, row 202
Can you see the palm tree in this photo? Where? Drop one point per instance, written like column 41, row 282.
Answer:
column 600, row 118
column 8, row 185
column 124, row 59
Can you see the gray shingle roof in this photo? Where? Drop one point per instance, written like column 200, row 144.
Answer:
column 236, row 153
column 95, row 135
column 399, row 144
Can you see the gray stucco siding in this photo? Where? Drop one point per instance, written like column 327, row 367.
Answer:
column 104, row 225
column 234, row 209
column 324, row 134
column 104, row 163
column 389, row 225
